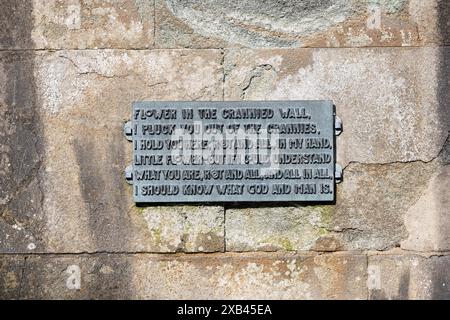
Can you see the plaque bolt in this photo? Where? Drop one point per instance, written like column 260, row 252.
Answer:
column 128, row 131
column 337, row 126
column 129, row 174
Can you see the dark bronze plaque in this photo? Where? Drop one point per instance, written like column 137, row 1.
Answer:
column 233, row 151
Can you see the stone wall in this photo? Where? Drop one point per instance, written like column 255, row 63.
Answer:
column 69, row 71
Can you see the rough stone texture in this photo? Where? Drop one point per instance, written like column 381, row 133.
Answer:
column 428, row 219
column 186, row 228
column 370, row 206
column 11, row 271
column 74, row 24
column 62, row 151
column 230, row 276
column 409, row 277
column 138, row 24
column 293, row 23
column 16, row 24
column 372, row 201
column 389, row 103
column 171, row 32
column 20, row 154
column 275, row 228
column 85, row 98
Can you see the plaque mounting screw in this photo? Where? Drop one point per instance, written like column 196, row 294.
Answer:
column 337, row 126
column 338, row 173
column 128, row 131
column 129, row 174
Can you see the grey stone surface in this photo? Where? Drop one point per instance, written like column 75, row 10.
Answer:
column 271, row 23
column 141, row 24
column 16, row 24
column 408, row 276
column 372, row 201
column 75, row 199
column 21, row 154
column 11, row 276
column 392, row 107
column 428, row 220
column 276, row 228
column 369, row 214
column 63, row 199
column 74, row 24
column 229, row 276
column 186, row 228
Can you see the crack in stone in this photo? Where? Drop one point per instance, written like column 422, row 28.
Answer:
column 78, row 70
column 224, row 229
column 151, row 85
column 257, row 72
column 367, row 276
column 222, row 66
column 440, row 153
column 306, row 253
column 22, row 274
column 346, row 229
column 154, row 23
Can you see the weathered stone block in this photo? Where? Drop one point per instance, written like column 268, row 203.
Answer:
column 392, row 107
column 369, row 214
column 74, row 24
column 428, row 219
column 373, row 200
column 70, row 24
column 283, row 228
column 408, row 276
column 389, row 161
column 186, row 228
column 173, row 32
column 21, row 154
column 217, row 276
column 16, row 24
column 11, row 274
column 81, row 100
column 271, row 23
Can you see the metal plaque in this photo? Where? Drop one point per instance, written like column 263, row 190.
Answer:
column 259, row 151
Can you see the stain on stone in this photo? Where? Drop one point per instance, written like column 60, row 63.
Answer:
column 112, row 278
column 403, row 288
column 16, row 23
column 403, row 293
column 444, row 66
column 327, row 244
column 21, row 140
column 11, row 270
column 377, row 294
column 443, row 10
column 440, row 272
column 445, row 156
column 104, row 195
column 438, row 290
column 103, row 189
column 209, row 241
